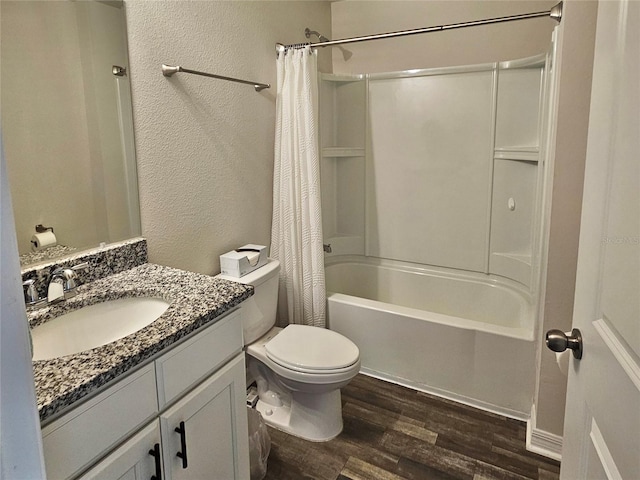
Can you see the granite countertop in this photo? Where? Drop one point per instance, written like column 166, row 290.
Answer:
column 195, row 299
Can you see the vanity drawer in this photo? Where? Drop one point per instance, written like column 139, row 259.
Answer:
column 77, row 439
column 191, row 361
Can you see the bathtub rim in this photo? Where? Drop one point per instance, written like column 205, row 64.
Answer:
column 521, row 294
column 434, row 270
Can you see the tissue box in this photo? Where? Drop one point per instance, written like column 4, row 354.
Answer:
column 243, row 260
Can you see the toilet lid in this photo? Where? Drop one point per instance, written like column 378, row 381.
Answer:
column 302, row 347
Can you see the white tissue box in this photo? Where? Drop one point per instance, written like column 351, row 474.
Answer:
column 243, row 260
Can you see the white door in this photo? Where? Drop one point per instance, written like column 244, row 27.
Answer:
column 602, row 423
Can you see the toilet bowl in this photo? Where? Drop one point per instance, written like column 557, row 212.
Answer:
column 299, row 369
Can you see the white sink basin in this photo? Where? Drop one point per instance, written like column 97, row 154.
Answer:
column 95, row 325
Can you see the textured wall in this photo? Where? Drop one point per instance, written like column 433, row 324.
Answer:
column 205, row 146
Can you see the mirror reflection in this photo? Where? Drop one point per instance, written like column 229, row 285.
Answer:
column 67, row 125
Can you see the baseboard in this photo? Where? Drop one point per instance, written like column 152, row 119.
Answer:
column 541, row 441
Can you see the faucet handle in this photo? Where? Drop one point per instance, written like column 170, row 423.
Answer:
column 71, row 276
column 31, row 294
column 30, row 291
column 80, row 266
column 66, row 276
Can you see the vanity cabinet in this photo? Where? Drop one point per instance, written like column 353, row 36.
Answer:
column 196, row 387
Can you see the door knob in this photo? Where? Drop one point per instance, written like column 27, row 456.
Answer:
column 558, row 341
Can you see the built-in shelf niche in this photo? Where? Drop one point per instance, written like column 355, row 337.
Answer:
column 516, row 170
column 342, row 140
column 342, row 112
column 513, row 206
column 525, row 154
column 336, row 152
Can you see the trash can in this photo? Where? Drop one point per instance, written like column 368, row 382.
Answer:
column 259, row 444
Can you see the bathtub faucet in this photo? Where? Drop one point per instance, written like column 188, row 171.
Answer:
column 326, row 247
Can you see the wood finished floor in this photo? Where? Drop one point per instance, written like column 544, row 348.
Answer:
column 392, row 433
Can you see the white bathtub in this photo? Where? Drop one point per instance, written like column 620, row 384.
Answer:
column 464, row 336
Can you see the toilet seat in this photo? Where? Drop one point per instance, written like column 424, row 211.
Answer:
column 307, row 349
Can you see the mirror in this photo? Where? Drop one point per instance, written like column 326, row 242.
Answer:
column 67, row 124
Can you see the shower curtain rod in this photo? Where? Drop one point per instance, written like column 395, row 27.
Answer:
column 555, row 13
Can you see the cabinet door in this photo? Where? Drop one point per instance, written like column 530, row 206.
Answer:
column 204, row 435
column 134, row 460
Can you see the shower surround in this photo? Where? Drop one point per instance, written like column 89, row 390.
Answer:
column 433, row 187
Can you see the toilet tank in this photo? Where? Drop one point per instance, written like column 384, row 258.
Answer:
column 259, row 310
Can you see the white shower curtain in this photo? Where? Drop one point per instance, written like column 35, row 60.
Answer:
column 296, row 232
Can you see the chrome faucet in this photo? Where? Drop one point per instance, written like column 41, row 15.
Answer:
column 63, row 283
column 326, row 247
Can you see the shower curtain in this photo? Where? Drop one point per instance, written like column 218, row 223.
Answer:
column 296, row 232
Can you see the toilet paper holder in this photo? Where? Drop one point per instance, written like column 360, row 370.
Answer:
column 41, row 228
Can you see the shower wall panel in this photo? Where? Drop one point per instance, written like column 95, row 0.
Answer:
column 429, row 168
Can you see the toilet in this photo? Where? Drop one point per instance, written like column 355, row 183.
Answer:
column 299, row 369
